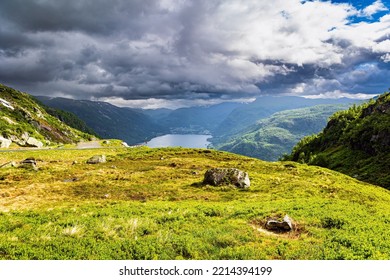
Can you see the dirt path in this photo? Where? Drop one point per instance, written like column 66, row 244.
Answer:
column 89, row 145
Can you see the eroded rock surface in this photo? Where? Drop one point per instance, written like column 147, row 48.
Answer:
column 227, row 176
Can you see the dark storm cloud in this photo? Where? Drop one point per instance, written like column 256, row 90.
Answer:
column 191, row 50
column 90, row 16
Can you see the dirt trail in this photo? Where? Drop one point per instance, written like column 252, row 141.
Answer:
column 89, row 145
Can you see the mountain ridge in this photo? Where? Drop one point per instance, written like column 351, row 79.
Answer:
column 109, row 121
column 26, row 123
column 355, row 142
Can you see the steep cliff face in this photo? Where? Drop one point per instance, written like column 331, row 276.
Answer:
column 355, row 141
column 26, row 123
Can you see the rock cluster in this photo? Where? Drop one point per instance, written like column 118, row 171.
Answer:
column 24, row 140
column 226, row 176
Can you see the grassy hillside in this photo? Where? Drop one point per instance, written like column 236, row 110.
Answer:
column 109, row 121
column 355, row 141
column 151, row 204
column 70, row 119
column 272, row 137
column 22, row 117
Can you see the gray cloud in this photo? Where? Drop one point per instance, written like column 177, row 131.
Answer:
column 139, row 51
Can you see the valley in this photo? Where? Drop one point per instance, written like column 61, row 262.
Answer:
column 98, row 199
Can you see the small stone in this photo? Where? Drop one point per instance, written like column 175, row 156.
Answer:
column 4, row 142
column 279, row 226
column 9, row 164
column 70, row 180
column 97, row 159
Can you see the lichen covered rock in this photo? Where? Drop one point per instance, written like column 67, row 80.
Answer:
column 227, row 176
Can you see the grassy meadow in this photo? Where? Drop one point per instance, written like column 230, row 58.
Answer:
column 148, row 203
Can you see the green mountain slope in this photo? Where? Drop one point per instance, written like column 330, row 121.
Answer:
column 263, row 107
column 26, row 123
column 272, row 137
column 151, row 204
column 355, row 142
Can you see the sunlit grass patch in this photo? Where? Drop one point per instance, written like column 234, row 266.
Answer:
column 151, row 204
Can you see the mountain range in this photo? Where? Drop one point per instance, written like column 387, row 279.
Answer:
column 109, row 121
column 223, row 121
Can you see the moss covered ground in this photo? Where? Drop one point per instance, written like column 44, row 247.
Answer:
column 148, row 203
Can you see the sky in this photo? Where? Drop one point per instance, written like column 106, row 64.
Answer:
column 180, row 53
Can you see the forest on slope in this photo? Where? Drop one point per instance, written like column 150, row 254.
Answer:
column 355, row 142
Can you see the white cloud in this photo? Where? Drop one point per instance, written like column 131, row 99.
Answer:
column 163, row 50
column 386, row 57
column 374, row 8
column 155, row 103
column 339, row 94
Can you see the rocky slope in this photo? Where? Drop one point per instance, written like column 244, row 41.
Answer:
column 355, row 142
column 109, row 121
column 23, row 122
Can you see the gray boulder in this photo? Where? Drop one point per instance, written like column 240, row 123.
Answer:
column 97, row 159
column 226, row 176
column 32, row 142
column 279, row 226
column 29, row 163
column 4, row 142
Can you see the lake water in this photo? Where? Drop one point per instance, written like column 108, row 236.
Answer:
column 180, row 140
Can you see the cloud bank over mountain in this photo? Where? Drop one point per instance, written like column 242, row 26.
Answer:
column 172, row 53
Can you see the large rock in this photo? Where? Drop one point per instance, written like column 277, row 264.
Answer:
column 29, row 163
column 279, row 226
column 32, row 142
column 97, row 159
column 4, row 142
column 226, row 176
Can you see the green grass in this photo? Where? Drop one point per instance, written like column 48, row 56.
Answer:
column 151, row 204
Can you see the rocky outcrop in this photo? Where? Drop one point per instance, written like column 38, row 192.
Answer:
column 227, row 176
column 27, row 123
column 4, row 142
column 97, row 159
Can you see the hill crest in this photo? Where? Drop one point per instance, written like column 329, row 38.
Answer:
column 26, row 123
